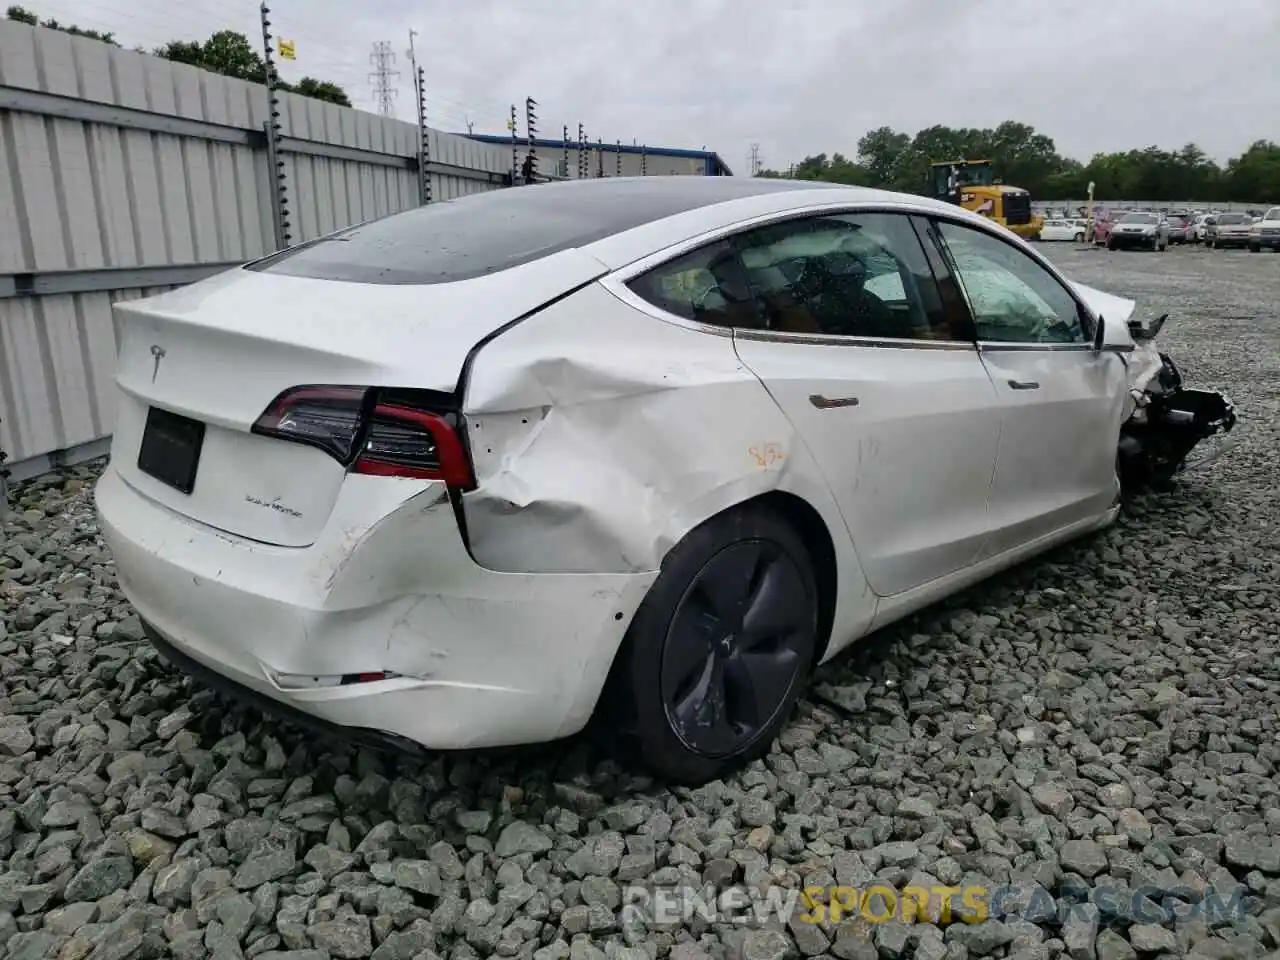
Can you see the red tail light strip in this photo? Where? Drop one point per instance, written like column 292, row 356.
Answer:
column 454, row 466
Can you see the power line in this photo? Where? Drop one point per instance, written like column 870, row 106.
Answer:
column 383, row 92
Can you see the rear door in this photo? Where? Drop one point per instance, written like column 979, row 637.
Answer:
column 888, row 392
column 1061, row 401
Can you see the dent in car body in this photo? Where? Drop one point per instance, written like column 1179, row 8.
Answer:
column 578, row 378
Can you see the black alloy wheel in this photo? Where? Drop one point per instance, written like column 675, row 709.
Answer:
column 736, row 645
column 720, row 648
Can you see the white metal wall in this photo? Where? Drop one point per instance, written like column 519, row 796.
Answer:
column 77, row 195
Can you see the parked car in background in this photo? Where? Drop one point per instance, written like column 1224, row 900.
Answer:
column 1146, row 230
column 1265, row 234
column 1102, row 226
column 1179, row 225
column 1195, row 233
column 1061, row 230
column 466, row 475
column 1229, row 230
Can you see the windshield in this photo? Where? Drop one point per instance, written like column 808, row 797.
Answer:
column 1138, row 218
column 1233, row 218
column 1272, row 214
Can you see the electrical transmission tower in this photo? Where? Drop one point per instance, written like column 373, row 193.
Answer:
column 382, row 76
column 755, row 159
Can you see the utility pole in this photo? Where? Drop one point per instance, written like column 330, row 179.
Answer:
column 424, row 147
column 599, row 156
column 531, row 131
column 644, row 160
column 617, row 160
column 755, row 159
column 582, row 153
column 564, row 165
column 383, row 92
column 280, row 190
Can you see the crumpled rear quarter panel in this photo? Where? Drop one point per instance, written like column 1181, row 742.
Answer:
column 601, row 435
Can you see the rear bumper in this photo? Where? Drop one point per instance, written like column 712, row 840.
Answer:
column 210, row 677
column 478, row 659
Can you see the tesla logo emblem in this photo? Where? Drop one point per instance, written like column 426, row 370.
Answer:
column 157, row 354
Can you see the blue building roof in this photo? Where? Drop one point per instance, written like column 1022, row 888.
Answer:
column 711, row 157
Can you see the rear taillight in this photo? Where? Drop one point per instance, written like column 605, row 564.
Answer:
column 370, row 436
column 407, row 442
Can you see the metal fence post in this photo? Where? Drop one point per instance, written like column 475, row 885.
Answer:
column 424, row 155
column 531, row 131
column 515, row 150
column 275, row 165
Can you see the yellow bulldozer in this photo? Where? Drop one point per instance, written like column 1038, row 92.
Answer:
column 971, row 184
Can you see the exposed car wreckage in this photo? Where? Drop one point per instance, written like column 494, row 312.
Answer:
column 1164, row 421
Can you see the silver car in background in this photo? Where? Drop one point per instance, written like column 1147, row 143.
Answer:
column 1179, row 227
column 1149, row 231
column 1228, row 230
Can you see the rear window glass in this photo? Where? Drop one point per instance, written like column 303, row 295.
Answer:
column 487, row 232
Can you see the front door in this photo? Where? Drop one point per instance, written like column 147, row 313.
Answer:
column 1062, row 401
column 894, row 403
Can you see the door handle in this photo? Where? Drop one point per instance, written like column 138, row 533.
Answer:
column 1024, row 384
column 826, row 403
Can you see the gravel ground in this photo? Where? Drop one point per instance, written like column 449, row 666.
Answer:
column 1104, row 719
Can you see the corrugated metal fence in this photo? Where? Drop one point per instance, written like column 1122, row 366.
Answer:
column 122, row 175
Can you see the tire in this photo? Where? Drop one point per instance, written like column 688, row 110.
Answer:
column 1079, row 238
column 1213, row 244
column 1254, row 248
column 686, row 651
column 1111, row 244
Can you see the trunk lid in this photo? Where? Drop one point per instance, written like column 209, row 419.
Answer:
column 219, row 351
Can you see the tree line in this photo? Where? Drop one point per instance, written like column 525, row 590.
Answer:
column 225, row 52
column 1023, row 157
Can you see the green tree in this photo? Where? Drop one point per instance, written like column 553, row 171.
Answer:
column 322, row 90
column 1023, row 157
column 22, row 15
column 232, row 55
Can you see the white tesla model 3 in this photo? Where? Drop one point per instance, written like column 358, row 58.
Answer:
column 471, row 474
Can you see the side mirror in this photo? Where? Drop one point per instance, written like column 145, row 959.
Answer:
column 1099, row 334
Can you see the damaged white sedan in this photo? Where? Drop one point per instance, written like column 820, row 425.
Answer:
column 640, row 449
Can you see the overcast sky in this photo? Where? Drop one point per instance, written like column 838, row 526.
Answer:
column 795, row 76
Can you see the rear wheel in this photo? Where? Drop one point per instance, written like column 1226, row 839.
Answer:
column 1255, row 248
column 720, row 649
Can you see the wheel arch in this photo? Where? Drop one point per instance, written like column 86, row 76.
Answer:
column 808, row 522
column 803, row 517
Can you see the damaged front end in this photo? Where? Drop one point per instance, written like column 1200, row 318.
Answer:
column 1167, row 422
